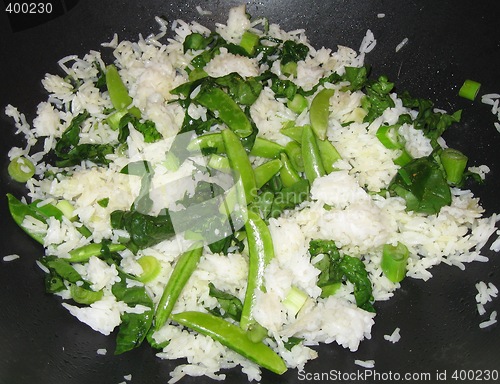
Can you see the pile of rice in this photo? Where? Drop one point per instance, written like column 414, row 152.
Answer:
column 359, row 221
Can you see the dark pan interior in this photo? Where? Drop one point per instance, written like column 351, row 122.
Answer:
column 449, row 41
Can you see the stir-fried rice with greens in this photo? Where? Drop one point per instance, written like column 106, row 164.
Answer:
column 238, row 191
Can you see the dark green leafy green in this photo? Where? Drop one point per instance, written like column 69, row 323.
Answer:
column 293, row 52
column 336, row 268
column 423, row 185
column 134, row 326
column 377, row 98
column 230, row 305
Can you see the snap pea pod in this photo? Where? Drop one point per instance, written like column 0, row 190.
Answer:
column 84, row 253
column 240, row 163
column 265, row 172
column 232, row 337
column 208, row 140
column 320, row 111
column 216, row 100
column 288, row 174
column 184, row 268
column 294, row 152
column 313, row 165
column 260, row 253
column 266, row 148
column 219, row 162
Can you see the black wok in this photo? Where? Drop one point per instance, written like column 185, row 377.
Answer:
column 448, row 41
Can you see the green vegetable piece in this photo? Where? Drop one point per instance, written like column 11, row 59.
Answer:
column 134, row 327
column 328, row 154
column 294, row 153
column 67, row 209
column 117, row 90
column 293, row 131
column 84, row 296
column 220, row 163
column 320, row 111
column 313, row 165
column 21, row 169
column 288, row 174
column 389, row 136
column 454, row 163
column 293, row 52
column 422, row 184
column 298, row 104
column 184, row 268
column 469, row 89
column 231, row 305
column 295, row 300
column 266, row 171
column 403, row 159
column 151, row 268
column 394, row 261
column 256, row 332
column 240, row 164
column 62, row 268
column 84, row 253
column 266, row 148
column 206, row 141
column 249, row 42
column 103, row 202
column 194, row 41
column 217, row 101
column 261, row 252
column 19, row 211
column 232, row 337
column 355, row 271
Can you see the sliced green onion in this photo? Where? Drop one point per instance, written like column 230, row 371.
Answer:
column 21, row 169
column 249, row 41
column 219, row 162
column 394, row 261
column 454, row 163
column 403, row 159
column 151, row 268
column 469, row 89
column 289, row 68
column 295, row 300
column 66, row 208
column 389, row 136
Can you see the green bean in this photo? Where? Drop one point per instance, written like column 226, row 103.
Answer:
column 313, row 165
column 240, row 163
column 260, row 253
column 288, row 174
column 320, row 111
column 232, row 337
column 266, row 148
column 264, row 172
column 216, row 100
column 184, row 268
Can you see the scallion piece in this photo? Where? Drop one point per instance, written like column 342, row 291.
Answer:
column 21, row 169
column 389, row 137
column 151, row 268
column 295, row 300
column 394, row 261
column 249, row 41
column 454, row 163
column 297, row 104
column 469, row 89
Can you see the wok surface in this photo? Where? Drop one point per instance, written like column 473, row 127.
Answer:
column 448, row 42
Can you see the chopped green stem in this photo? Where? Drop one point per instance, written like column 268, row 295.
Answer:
column 249, row 41
column 232, row 337
column 208, row 140
column 151, row 268
column 469, row 89
column 389, row 136
column 295, row 300
column 84, row 253
column 117, row 90
column 454, row 163
column 394, row 261
column 297, row 104
column 84, row 296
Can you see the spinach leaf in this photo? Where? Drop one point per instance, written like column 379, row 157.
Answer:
column 60, row 271
column 134, row 326
column 146, row 127
column 95, row 153
column 336, row 268
column 293, row 52
column 230, row 304
column 377, row 98
column 423, row 186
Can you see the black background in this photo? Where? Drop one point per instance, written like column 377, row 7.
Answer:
column 449, row 41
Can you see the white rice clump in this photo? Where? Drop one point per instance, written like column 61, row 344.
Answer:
column 347, row 206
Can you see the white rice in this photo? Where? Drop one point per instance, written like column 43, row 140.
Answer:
column 10, row 258
column 357, row 216
column 102, row 351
